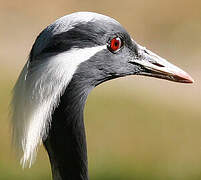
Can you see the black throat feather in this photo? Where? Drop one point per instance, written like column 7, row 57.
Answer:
column 66, row 141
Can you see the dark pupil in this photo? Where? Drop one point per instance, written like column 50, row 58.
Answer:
column 116, row 43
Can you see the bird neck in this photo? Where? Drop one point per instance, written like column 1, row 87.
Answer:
column 66, row 141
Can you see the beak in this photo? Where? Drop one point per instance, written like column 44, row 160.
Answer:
column 155, row 66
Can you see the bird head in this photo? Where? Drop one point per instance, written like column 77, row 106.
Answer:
column 92, row 47
column 107, row 49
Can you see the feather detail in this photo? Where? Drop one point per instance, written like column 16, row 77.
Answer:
column 37, row 93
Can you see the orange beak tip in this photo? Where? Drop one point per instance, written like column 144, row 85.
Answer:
column 186, row 78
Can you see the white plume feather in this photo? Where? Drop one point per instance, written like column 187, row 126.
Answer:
column 37, row 93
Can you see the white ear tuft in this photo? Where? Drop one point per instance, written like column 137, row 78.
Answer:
column 36, row 95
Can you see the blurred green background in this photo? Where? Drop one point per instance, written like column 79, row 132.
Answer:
column 137, row 127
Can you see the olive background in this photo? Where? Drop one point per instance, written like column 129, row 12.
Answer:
column 137, row 127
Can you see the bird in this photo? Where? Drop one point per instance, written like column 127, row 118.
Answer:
column 68, row 59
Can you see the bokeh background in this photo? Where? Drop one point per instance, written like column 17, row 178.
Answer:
column 137, row 127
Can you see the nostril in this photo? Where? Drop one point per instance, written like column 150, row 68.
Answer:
column 157, row 64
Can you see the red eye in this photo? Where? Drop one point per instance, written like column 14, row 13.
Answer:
column 115, row 44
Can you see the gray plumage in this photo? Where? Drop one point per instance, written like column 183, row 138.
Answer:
column 74, row 54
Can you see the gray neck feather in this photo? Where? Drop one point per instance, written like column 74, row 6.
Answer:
column 66, row 141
